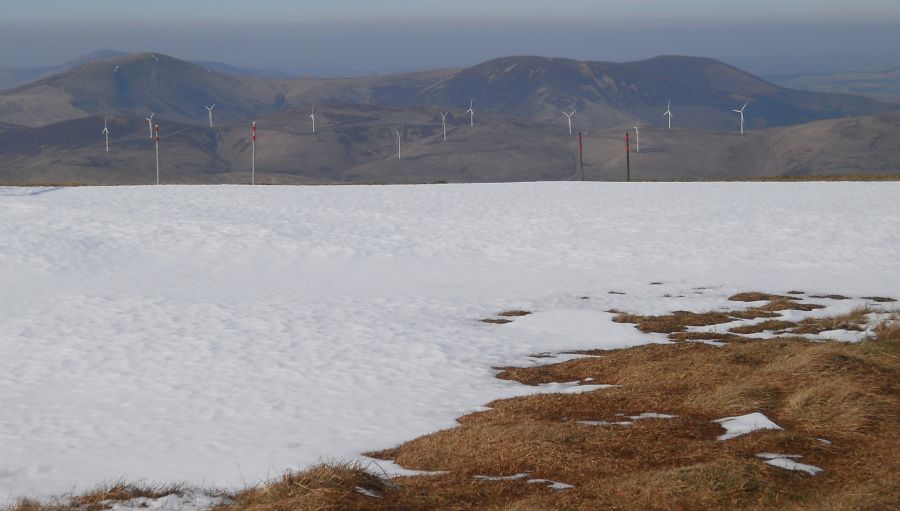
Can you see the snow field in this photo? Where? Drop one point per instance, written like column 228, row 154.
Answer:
column 219, row 335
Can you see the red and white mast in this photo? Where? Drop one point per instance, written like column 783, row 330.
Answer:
column 253, row 163
column 156, row 129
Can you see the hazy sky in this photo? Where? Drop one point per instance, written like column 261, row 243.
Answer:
column 340, row 37
column 303, row 10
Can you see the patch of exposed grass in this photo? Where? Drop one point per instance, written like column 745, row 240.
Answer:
column 332, row 486
column 889, row 330
column 495, row 321
column 880, row 299
column 779, row 304
column 678, row 321
column 831, row 297
column 856, row 319
column 755, row 296
column 514, row 314
column 753, row 314
column 773, row 325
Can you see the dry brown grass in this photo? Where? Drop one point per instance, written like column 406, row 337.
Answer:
column 881, row 299
column 774, row 325
column 856, row 319
column 755, row 296
column 675, row 322
column 503, row 317
column 846, row 393
column 514, row 314
column 496, row 321
column 335, row 486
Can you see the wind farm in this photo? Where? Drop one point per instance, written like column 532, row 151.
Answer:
column 349, row 149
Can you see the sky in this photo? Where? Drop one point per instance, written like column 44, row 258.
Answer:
column 345, row 10
column 346, row 37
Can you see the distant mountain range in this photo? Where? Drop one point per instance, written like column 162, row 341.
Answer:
column 50, row 128
column 10, row 78
column 880, row 85
column 702, row 91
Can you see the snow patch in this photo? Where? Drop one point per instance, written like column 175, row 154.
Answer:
column 652, row 415
column 788, row 464
column 554, row 485
column 367, row 492
column 174, row 502
column 514, row 477
column 744, row 424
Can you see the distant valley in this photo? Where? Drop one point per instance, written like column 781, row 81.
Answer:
column 50, row 128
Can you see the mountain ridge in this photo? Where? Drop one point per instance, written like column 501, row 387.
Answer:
column 606, row 94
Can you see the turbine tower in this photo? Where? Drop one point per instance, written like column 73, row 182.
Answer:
column 637, row 136
column 669, row 114
column 150, row 122
column 313, row 117
column 105, row 133
column 398, row 143
column 444, row 123
column 741, row 111
column 210, row 108
column 569, row 116
column 471, row 112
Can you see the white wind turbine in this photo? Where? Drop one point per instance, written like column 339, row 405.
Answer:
column 471, row 112
column 569, row 116
column 313, row 117
column 669, row 114
column 105, row 133
column 444, row 123
column 210, row 108
column 741, row 111
column 637, row 136
column 398, row 143
column 150, row 122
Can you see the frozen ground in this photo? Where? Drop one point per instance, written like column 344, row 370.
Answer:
column 220, row 335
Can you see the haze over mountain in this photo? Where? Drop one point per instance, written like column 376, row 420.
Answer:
column 703, row 92
column 11, row 78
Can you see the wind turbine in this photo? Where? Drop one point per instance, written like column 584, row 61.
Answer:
column 210, row 108
column 105, row 133
column 471, row 112
column 398, row 143
column 444, row 123
column 570, row 119
column 669, row 114
column 637, row 136
column 741, row 111
column 150, row 122
column 313, row 117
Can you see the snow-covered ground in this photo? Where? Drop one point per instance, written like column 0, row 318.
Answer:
column 220, row 335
